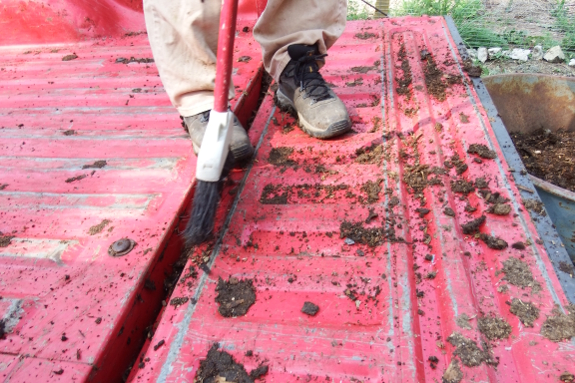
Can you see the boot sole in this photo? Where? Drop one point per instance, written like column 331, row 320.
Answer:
column 334, row 130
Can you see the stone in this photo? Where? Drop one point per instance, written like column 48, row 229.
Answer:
column 472, row 53
column 554, row 55
column 572, row 62
column 482, row 54
column 520, row 54
column 493, row 52
column 505, row 53
column 537, row 53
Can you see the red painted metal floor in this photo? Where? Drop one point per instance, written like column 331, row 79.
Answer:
column 74, row 313
column 386, row 311
column 91, row 151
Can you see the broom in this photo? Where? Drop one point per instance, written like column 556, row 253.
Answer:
column 214, row 158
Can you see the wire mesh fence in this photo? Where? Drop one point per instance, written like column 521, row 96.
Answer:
column 494, row 23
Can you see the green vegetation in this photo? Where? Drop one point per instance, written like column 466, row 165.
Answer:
column 565, row 23
column 356, row 11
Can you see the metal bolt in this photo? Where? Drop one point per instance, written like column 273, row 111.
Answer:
column 121, row 247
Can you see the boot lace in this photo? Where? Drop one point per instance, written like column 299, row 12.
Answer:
column 311, row 81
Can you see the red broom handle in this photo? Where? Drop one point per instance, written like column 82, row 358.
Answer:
column 225, row 56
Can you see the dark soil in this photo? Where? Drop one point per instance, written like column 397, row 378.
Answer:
column 567, row 377
column 473, row 226
column 404, row 82
column 453, row 373
column 462, row 186
column 548, row 155
column 434, row 79
column 219, row 366
column 499, row 209
column 535, row 206
column 481, row 183
column 518, row 274
column 372, row 154
column 2, row 329
column 97, row 229
column 372, row 189
column 494, row 328
column 5, row 240
column 123, row 60
column 482, row 151
column 69, row 132
column 463, row 321
column 449, row 211
column 77, row 178
column 96, row 165
column 456, row 162
column 494, row 243
column 366, row 236
column 559, row 326
column 70, row 57
column 472, row 71
column 274, row 195
column 179, row 301
column 526, row 311
column 280, row 157
column 518, row 245
column 310, row 308
column 365, row 35
column 566, row 267
column 416, row 177
column 235, row 296
column 468, row 351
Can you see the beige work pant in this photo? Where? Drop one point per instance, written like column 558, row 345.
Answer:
column 184, row 33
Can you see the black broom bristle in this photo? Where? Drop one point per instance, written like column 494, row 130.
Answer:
column 206, row 199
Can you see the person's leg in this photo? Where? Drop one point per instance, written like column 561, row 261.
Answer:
column 295, row 36
column 183, row 35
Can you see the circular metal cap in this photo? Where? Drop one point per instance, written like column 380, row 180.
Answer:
column 121, row 247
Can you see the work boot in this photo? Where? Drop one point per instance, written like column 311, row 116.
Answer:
column 240, row 144
column 303, row 90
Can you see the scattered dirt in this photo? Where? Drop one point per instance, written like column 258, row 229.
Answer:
column 416, row 177
column 462, row 186
column 548, row 155
column 97, row 229
column 526, row 311
column 468, row 351
column 494, row 243
column 280, row 156
column 5, row 240
column 123, row 60
column 481, row 183
column 372, row 189
column 472, row 71
column 464, row 118
column 367, row 236
column 70, row 57
column 566, row 267
column 455, row 161
column 220, row 367
column 2, row 329
column 365, row 35
column 404, row 83
column 473, row 226
column 3, row 186
column 372, row 154
column 449, row 212
column 453, row 373
column 96, row 165
column 494, row 328
column 434, row 79
column 499, row 209
column 274, row 195
column 535, row 206
column 518, row 274
column 482, row 151
column 310, row 308
column 518, row 245
column 463, row 322
column 567, row 377
column 69, row 132
column 77, row 178
column 559, row 326
column 235, row 296
column 179, row 301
